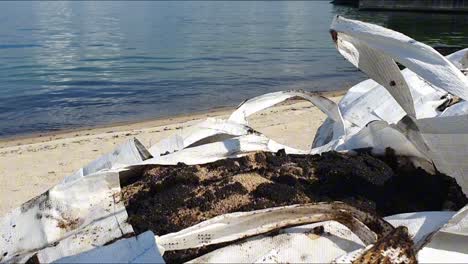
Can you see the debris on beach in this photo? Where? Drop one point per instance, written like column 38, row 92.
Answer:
column 167, row 199
column 396, row 247
column 385, row 181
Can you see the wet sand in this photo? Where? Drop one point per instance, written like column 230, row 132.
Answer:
column 31, row 165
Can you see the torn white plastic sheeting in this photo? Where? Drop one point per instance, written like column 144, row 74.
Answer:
column 216, row 139
column 437, row 138
column 319, row 242
column 70, row 218
column 314, row 243
column 262, row 102
column 447, row 137
column 459, row 59
column 460, row 108
column 234, row 226
column 449, row 243
column 378, row 66
column 129, row 153
column 229, row 148
column 365, row 113
column 379, row 135
column 375, row 103
column 368, row 101
column 139, row 249
column 199, row 132
column 237, row 125
column 420, row 224
column 419, row 57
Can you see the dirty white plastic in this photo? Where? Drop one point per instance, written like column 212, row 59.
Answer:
column 447, row 138
column 419, row 57
column 421, row 224
column 449, row 243
column 199, row 133
column 70, row 218
column 306, row 243
column 130, row 152
column 377, row 65
column 301, row 244
column 139, row 249
column 216, row 130
column 229, row 148
column 442, row 140
column 234, row 226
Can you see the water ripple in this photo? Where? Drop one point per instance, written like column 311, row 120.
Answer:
column 84, row 63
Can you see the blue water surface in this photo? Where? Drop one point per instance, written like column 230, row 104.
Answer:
column 84, row 63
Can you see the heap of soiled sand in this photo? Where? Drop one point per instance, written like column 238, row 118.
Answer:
column 30, row 166
column 166, row 199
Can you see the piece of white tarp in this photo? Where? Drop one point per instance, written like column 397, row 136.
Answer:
column 128, row 153
column 459, row 59
column 216, row 130
column 440, row 139
column 262, row 102
column 314, row 243
column 229, row 148
column 265, row 101
column 216, row 139
column 375, row 103
column 449, row 243
column 368, row 101
column 341, row 228
column 70, row 218
column 378, row 66
column 419, row 57
column 320, row 242
column 379, row 136
column 198, row 135
column 234, row 226
column 420, row 224
column 139, row 249
column 447, row 138
column 460, row 108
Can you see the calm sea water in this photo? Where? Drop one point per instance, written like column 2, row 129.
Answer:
column 83, row 63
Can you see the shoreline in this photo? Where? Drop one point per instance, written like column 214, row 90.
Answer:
column 33, row 164
column 37, row 137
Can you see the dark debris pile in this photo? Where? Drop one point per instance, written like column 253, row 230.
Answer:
column 167, row 199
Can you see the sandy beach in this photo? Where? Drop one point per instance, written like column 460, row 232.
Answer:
column 31, row 165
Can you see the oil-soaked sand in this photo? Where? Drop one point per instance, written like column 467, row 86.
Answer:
column 167, row 199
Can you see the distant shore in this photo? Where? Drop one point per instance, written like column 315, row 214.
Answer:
column 29, row 165
column 452, row 6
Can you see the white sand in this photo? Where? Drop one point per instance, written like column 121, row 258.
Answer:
column 30, row 166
